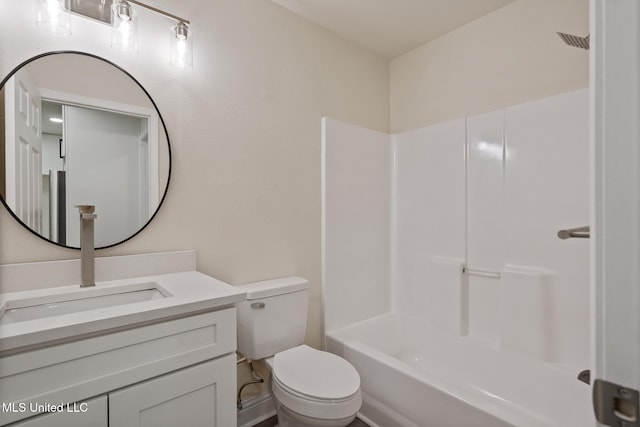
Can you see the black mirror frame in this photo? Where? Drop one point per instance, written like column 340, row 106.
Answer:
column 164, row 194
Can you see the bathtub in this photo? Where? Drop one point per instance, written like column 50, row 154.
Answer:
column 412, row 375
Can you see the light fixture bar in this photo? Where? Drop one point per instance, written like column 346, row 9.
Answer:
column 161, row 12
column 100, row 10
column 123, row 19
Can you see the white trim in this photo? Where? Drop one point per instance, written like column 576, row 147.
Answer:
column 255, row 410
column 96, row 103
column 323, row 230
column 154, row 174
column 10, row 146
column 393, row 224
column 615, row 243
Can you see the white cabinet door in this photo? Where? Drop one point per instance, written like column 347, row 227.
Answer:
column 91, row 413
column 200, row 396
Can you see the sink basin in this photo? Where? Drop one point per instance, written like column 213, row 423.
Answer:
column 20, row 310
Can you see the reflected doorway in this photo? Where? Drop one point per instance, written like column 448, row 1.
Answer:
column 98, row 157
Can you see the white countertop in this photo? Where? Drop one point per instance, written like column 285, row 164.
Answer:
column 189, row 292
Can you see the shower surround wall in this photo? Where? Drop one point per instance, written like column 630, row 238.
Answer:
column 473, row 211
column 356, row 216
column 492, row 203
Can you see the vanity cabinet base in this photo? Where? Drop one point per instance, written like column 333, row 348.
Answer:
column 155, row 375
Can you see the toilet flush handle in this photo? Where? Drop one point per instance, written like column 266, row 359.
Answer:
column 258, row 305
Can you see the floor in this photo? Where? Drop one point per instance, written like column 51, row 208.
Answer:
column 273, row 421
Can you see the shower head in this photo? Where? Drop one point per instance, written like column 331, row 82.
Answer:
column 575, row 41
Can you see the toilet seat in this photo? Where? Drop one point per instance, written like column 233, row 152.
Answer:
column 315, row 383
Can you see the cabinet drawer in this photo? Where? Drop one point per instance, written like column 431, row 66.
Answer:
column 90, row 367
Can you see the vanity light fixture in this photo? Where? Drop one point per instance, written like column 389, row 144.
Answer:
column 123, row 18
column 54, row 16
column 124, row 27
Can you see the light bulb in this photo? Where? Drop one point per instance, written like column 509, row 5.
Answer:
column 181, row 54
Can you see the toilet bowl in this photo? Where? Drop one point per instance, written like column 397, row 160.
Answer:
column 313, row 388
column 310, row 388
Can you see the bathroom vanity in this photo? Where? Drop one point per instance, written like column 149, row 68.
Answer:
column 153, row 342
column 153, row 350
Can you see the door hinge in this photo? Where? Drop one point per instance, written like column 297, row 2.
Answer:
column 615, row 405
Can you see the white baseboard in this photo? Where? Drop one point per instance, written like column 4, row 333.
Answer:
column 255, row 410
column 366, row 420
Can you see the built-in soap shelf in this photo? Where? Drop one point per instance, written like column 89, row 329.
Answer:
column 526, row 304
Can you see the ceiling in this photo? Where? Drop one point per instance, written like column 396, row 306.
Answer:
column 392, row 27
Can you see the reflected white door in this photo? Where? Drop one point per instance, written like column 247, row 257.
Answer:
column 23, row 150
column 615, row 134
column 103, row 161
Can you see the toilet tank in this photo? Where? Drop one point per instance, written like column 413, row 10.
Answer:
column 274, row 316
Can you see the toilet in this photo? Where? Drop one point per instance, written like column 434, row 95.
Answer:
column 310, row 388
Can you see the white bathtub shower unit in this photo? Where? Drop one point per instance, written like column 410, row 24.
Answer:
column 412, row 375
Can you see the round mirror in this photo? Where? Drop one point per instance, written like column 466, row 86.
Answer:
column 76, row 129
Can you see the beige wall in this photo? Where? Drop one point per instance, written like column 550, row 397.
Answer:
column 244, row 127
column 510, row 56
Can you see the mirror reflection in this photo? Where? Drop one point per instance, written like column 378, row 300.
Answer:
column 77, row 130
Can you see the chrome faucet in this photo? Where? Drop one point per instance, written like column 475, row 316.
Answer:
column 87, row 273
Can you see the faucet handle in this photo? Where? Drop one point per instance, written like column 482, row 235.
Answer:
column 86, row 209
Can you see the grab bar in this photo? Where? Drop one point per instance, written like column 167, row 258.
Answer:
column 483, row 273
column 579, row 232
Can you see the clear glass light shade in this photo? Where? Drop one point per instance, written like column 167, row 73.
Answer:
column 124, row 27
column 181, row 40
column 54, row 16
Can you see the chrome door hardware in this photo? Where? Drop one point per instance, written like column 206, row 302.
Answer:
column 615, row 405
column 585, row 376
column 578, row 232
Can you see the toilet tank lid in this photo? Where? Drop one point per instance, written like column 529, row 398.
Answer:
column 273, row 287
